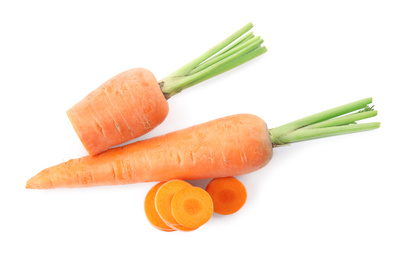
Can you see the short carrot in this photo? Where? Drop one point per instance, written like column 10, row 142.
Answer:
column 163, row 199
column 192, row 207
column 151, row 212
column 133, row 102
column 228, row 146
column 228, row 195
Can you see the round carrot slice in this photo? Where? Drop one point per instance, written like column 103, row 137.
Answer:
column 192, row 207
column 182, row 228
column 164, row 197
column 150, row 210
column 228, row 194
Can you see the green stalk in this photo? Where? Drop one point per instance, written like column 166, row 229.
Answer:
column 235, row 50
column 344, row 120
column 309, row 134
column 177, row 84
column 221, row 55
column 230, row 65
column 327, row 123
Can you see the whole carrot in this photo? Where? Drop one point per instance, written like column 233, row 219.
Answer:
column 133, row 102
column 228, row 146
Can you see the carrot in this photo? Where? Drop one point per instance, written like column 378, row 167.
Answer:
column 182, row 228
column 124, row 107
column 133, row 102
column 151, row 212
column 228, row 146
column 228, row 194
column 192, row 207
column 164, row 197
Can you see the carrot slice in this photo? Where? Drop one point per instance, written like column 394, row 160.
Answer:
column 228, row 194
column 192, row 207
column 150, row 210
column 164, row 197
column 182, row 228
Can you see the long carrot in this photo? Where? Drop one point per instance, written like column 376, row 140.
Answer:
column 133, row 102
column 228, row 146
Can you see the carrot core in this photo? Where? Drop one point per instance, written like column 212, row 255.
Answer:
column 192, row 207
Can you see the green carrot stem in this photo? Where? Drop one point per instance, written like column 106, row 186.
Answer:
column 326, row 123
column 344, row 120
column 230, row 65
column 226, row 55
column 175, row 85
column 322, row 116
column 309, row 134
column 192, row 64
column 242, row 39
column 241, row 43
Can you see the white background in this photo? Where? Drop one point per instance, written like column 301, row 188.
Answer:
column 337, row 198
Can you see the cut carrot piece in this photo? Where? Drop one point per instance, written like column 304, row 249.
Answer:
column 126, row 106
column 182, row 228
column 192, row 207
column 228, row 194
column 150, row 210
column 164, row 197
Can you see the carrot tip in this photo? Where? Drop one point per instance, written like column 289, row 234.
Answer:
column 28, row 185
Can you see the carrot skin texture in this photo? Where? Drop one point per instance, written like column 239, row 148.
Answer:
column 227, row 146
column 125, row 107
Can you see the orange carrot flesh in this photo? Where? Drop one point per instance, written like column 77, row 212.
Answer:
column 125, row 107
column 182, row 228
column 192, row 207
column 151, row 212
column 228, row 146
column 164, row 197
column 229, row 195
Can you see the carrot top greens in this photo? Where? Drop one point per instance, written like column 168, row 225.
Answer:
column 335, row 121
column 237, row 49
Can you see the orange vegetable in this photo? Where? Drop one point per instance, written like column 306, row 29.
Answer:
column 182, row 228
column 228, row 194
column 164, row 197
column 123, row 108
column 192, row 207
column 133, row 102
column 224, row 147
column 150, row 210
column 228, row 146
